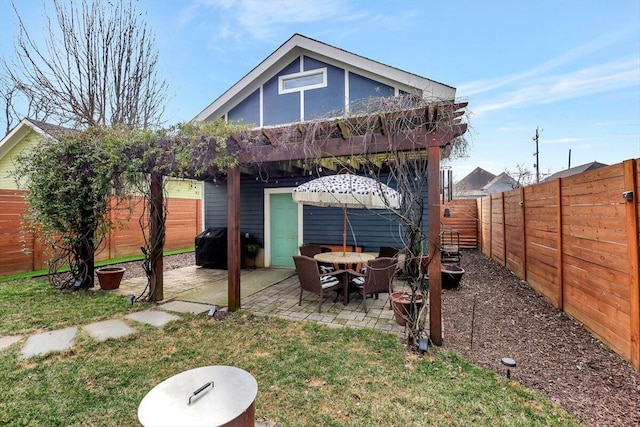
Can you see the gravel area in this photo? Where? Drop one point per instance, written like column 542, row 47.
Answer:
column 493, row 314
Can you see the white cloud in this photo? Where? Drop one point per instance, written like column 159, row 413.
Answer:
column 601, row 43
column 248, row 20
column 601, row 78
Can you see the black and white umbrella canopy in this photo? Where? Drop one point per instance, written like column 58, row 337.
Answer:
column 347, row 191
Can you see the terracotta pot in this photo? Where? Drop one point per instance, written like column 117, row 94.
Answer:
column 110, row 277
column 401, row 304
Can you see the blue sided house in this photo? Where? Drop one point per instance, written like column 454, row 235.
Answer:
column 304, row 80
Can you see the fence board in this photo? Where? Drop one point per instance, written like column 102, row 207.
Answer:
column 464, row 219
column 20, row 253
column 514, row 238
column 575, row 241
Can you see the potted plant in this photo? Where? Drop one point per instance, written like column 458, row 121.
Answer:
column 252, row 249
column 110, row 277
column 451, row 276
column 405, row 306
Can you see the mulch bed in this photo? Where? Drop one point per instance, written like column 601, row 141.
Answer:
column 493, row 314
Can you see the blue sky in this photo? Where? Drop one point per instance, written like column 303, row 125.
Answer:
column 570, row 67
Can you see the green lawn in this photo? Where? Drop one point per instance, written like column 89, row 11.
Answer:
column 33, row 305
column 307, row 374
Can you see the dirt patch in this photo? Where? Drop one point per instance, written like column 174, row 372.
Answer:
column 171, row 262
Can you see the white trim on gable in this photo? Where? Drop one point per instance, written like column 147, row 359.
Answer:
column 16, row 135
column 261, row 106
column 282, row 80
column 299, row 45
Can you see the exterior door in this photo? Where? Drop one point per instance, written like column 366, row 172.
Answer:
column 284, row 230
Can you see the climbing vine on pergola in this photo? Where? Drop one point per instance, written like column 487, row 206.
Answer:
column 378, row 136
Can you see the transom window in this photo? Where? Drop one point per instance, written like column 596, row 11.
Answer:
column 297, row 82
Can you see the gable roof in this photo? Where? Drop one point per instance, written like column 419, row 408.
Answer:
column 22, row 129
column 500, row 183
column 299, row 44
column 576, row 170
column 475, row 180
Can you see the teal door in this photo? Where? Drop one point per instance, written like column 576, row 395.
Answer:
column 284, row 230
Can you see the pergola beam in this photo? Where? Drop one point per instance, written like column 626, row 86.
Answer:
column 357, row 145
column 442, row 123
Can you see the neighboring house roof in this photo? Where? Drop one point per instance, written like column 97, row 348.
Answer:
column 298, row 46
column 500, row 183
column 471, row 185
column 576, row 170
column 30, row 131
column 477, row 179
column 22, row 129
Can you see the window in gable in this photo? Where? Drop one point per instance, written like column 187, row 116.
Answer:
column 298, row 82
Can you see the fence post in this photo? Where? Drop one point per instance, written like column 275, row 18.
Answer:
column 479, row 237
column 504, row 230
column 523, row 229
column 490, row 226
column 198, row 225
column 110, row 238
column 631, row 184
column 560, row 251
column 37, row 260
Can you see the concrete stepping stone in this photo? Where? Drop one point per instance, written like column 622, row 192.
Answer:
column 152, row 317
column 47, row 342
column 7, row 341
column 104, row 330
column 185, row 307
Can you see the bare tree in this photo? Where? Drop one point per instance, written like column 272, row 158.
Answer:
column 522, row 176
column 14, row 106
column 96, row 66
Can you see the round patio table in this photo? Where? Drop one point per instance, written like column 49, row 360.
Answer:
column 344, row 258
column 205, row 396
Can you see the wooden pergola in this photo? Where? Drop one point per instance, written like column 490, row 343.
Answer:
column 428, row 129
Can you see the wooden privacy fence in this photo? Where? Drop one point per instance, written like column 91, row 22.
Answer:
column 463, row 218
column 575, row 240
column 22, row 252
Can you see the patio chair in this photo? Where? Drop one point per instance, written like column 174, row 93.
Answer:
column 388, row 252
column 311, row 280
column 385, row 252
column 376, row 279
column 312, row 250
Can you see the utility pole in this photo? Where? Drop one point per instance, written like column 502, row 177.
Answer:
column 537, row 154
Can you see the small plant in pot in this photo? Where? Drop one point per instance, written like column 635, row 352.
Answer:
column 252, row 249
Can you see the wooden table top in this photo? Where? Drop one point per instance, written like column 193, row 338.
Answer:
column 347, row 258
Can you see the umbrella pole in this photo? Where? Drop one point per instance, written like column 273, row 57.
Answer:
column 344, row 232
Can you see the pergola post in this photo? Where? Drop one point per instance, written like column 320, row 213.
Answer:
column 435, row 280
column 233, row 237
column 156, row 237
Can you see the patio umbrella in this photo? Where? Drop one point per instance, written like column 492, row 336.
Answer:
column 347, row 191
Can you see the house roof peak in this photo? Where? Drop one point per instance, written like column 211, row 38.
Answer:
column 299, row 44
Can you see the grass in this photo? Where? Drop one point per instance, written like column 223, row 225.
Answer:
column 34, row 305
column 307, row 374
